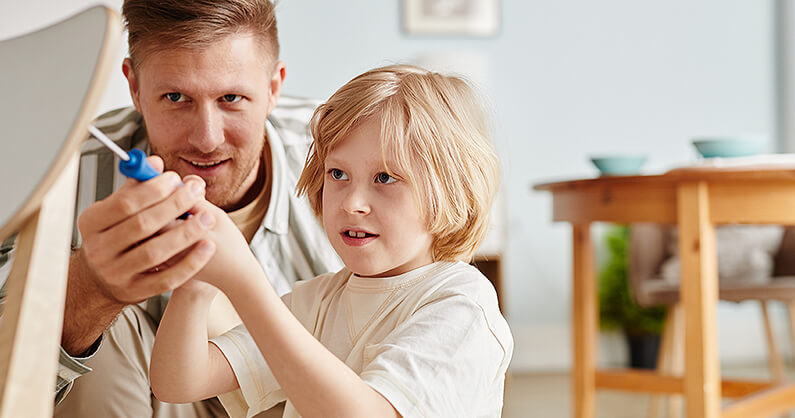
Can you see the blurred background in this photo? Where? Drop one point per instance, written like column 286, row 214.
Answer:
column 566, row 80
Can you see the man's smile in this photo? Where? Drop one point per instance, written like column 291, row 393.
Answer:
column 206, row 163
column 205, row 166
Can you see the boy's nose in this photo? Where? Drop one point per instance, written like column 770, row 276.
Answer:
column 208, row 130
column 355, row 201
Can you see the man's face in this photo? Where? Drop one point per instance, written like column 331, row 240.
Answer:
column 205, row 111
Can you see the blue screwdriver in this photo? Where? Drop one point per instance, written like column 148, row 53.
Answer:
column 132, row 164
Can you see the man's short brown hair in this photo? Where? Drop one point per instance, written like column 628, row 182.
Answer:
column 154, row 25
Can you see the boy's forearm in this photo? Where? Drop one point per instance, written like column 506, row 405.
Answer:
column 180, row 357
column 313, row 378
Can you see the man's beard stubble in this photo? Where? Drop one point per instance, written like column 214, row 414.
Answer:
column 220, row 192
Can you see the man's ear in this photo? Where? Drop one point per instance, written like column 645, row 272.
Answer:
column 277, row 79
column 132, row 82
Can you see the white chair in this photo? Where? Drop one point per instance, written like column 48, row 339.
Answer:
column 51, row 81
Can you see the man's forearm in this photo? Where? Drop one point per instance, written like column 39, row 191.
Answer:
column 88, row 310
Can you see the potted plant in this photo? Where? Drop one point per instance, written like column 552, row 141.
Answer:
column 617, row 309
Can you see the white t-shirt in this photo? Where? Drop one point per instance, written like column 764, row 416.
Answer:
column 432, row 341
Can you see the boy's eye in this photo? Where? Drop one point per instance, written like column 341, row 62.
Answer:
column 338, row 174
column 175, row 97
column 232, row 98
column 384, row 178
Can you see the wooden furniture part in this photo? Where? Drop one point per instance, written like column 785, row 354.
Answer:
column 52, row 80
column 488, row 256
column 648, row 250
column 696, row 199
column 491, row 267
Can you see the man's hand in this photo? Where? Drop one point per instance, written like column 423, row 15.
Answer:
column 133, row 249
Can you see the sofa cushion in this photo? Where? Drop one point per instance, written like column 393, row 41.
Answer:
column 745, row 253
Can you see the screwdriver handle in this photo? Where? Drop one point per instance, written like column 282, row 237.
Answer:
column 137, row 167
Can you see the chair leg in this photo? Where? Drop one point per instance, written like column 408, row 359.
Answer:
column 663, row 362
column 773, row 357
column 669, row 361
column 774, row 362
column 791, row 312
column 675, row 404
column 33, row 313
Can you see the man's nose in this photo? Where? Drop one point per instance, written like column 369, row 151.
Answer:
column 356, row 200
column 208, row 129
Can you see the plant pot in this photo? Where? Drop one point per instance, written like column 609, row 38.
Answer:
column 643, row 349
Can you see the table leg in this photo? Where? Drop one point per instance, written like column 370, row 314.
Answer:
column 584, row 323
column 699, row 289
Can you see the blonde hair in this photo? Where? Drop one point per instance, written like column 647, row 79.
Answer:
column 435, row 131
column 154, row 25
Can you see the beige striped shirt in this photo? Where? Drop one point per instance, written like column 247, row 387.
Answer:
column 290, row 243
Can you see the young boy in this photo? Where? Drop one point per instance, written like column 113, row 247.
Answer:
column 402, row 174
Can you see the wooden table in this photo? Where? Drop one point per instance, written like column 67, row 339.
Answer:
column 696, row 199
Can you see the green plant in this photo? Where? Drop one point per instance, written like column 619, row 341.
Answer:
column 617, row 309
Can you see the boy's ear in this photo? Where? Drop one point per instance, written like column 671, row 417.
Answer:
column 277, row 79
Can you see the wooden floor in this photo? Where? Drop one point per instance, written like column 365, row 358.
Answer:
column 548, row 395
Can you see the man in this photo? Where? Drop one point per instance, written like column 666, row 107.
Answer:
column 204, row 77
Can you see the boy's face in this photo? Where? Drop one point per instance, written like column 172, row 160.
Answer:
column 205, row 111
column 370, row 218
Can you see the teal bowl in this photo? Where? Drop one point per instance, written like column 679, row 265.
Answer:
column 619, row 165
column 728, row 147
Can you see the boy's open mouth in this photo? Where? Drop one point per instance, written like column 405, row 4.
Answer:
column 357, row 238
column 358, row 234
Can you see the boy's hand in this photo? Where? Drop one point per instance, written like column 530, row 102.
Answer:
column 233, row 259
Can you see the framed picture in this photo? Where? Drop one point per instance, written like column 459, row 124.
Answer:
column 451, row 17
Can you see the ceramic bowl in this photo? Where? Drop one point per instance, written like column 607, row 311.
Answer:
column 619, row 165
column 728, row 147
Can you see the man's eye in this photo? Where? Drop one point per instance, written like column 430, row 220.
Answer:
column 232, row 98
column 338, row 174
column 384, row 178
column 175, row 97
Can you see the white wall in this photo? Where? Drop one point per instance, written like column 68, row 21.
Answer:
column 567, row 79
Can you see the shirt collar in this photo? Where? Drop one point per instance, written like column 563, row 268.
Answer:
column 278, row 214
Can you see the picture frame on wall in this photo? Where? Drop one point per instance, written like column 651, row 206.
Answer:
column 451, row 17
